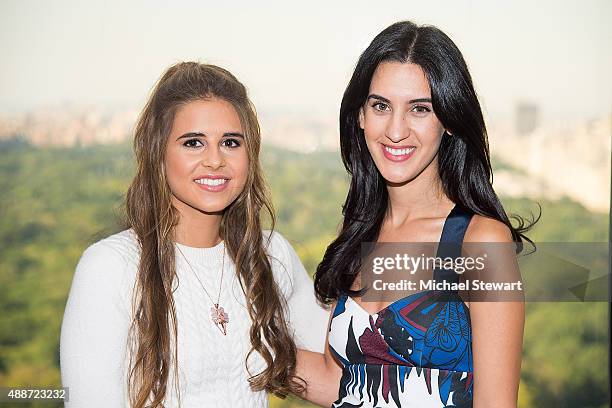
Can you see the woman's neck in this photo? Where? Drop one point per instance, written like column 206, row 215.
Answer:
column 196, row 228
column 421, row 197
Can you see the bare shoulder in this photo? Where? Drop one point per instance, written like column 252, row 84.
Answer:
column 486, row 229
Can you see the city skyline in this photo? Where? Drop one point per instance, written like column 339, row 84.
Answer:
column 546, row 159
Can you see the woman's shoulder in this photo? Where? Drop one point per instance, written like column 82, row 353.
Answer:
column 276, row 244
column 122, row 246
column 487, row 229
column 124, row 239
column 279, row 250
column 102, row 282
column 113, row 259
column 285, row 262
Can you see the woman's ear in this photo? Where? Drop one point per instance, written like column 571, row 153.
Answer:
column 361, row 117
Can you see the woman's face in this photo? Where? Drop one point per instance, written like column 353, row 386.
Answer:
column 206, row 159
column 401, row 129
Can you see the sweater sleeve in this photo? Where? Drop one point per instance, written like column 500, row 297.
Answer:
column 307, row 317
column 94, row 331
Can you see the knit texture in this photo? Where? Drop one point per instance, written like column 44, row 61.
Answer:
column 211, row 367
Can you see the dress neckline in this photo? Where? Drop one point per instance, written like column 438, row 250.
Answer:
column 453, row 231
column 421, row 293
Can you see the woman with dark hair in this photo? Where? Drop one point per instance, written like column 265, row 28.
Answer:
column 414, row 142
column 193, row 305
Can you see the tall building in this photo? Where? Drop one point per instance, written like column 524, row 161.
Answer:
column 527, row 118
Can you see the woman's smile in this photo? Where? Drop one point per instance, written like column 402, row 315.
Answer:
column 398, row 153
column 212, row 182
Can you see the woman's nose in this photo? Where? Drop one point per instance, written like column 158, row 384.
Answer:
column 213, row 158
column 398, row 128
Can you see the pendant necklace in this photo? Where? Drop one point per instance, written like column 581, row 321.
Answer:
column 217, row 313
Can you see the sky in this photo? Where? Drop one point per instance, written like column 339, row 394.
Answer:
column 298, row 56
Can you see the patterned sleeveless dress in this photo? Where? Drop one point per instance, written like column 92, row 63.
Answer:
column 416, row 352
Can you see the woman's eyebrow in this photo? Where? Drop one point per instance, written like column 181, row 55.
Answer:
column 385, row 100
column 378, row 97
column 233, row 134
column 428, row 100
column 200, row 134
column 191, row 134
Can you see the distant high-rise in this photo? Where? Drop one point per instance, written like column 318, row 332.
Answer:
column 527, row 117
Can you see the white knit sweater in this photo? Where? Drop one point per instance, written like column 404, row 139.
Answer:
column 211, row 366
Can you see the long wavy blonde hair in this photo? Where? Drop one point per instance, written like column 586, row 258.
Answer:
column 149, row 212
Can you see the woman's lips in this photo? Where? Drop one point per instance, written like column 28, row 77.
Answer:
column 398, row 154
column 213, row 184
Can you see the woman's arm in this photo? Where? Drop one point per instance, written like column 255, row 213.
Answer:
column 497, row 327
column 307, row 318
column 497, row 339
column 310, row 321
column 322, row 374
column 94, row 331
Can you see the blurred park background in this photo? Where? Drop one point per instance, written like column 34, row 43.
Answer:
column 74, row 75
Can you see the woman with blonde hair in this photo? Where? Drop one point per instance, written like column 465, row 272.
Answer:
column 193, row 304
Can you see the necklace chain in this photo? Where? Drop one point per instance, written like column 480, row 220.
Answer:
column 217, row 313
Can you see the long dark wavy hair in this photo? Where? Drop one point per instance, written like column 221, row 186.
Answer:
column 464, row 163
column 149, row 212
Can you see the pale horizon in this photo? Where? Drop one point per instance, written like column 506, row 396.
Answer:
column 296, row 57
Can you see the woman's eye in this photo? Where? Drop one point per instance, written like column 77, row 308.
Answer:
column 230, row 143
column 380, row 106
column 421, row 109
column 193, row 143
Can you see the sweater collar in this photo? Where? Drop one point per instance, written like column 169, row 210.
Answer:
column 203, row 256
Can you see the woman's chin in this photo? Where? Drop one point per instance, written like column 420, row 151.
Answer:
column 397, row 179
column 211, row 208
